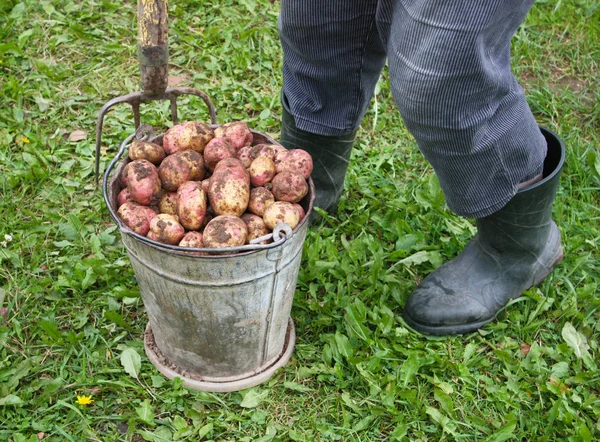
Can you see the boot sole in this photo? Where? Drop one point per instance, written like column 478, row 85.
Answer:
column 462, row 329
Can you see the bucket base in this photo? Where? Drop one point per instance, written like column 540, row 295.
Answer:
column 171, row 371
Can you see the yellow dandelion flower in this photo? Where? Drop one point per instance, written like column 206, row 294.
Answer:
column 24, row 140
column 84, row 400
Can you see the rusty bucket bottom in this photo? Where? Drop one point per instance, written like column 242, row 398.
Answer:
column 194, row 381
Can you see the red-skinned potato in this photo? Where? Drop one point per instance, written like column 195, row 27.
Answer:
column 124, row 176
column 238, row 134
column 189, row 135
column 289, row 186
column 168, row 203
column 166, row 229
column 195, row 162
column 145, row 150
column 143, row 182
column 300, row 210
column 173, row 172
column 123, row 197
column 225, row 231
column 191, row 205
column 281, row 212
column 263, row 150
column 216, row 150
column 192, row 239
column 229, row 188
column 256, row 227
column 244, row 155
column 261, row 170
column 136, row 217
column 260, row 198
column 295, row 160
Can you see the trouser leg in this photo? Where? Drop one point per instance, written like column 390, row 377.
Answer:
column 450, row 74
column 333, row 57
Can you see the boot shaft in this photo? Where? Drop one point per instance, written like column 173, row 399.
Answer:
column 525, row 222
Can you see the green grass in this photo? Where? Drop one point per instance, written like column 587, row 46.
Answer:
column 70, row 302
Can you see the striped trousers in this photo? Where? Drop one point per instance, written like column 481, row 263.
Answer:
column 450, row 75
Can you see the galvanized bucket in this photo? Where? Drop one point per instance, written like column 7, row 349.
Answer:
column 219, row 322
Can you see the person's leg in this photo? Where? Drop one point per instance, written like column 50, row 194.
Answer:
column 452, row 82
column 333, row 57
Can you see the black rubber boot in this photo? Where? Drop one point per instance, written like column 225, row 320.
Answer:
column 331, row 155
column 514, row 249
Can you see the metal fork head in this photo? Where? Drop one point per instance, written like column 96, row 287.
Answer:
column 136, row 98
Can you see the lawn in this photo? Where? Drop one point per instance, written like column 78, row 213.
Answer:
column 72, row 319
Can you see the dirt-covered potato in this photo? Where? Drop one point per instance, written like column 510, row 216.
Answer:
column 189, row 135
column 263, row 150
column 229, row 188
column 216, row 150
column 289, row 186
column 261, row 170
column 256, row 227
column 143, row 182
column 124, row 177
column 238, row 134
column 145, row 150
column 191, row 205
column 168, row 203
column 123, row 197
column 260, row 198
column 225, row 231
column 166, row 228
column 192, row 239
column 136, row 217
column 281, row 212
column 195, row 162
column 301, row 211
column 173, row 172
column 295, row 160
column 244, row 155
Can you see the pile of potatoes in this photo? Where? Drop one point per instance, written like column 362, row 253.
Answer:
column 211, row 188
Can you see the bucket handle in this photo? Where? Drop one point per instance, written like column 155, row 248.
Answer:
column 281, row 233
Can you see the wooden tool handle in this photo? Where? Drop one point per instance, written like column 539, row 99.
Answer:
column 153, row 45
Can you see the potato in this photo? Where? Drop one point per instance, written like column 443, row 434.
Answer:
column 295, row 160
column 136, row 217
column 261, row 170
column 216, row 150
column 281, row 212
column 123, row 196
column 229, row 188
column 191, row 205
column 168, row 203
column 244, row 155
column 143, row 182
column 189, row 135
column 195, row 162
column 289, row 186
column 225, row 231
column 192, row 239
column 205, row 185
column 165, row 228
column 173, row 172
column 262, row 150
column 237, row 133
column 300, row 210
column 256, row 227
column 124, row 176
column 260, row 198
column 145, row 150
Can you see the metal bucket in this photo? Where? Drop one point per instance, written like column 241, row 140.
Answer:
column 219, row 322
